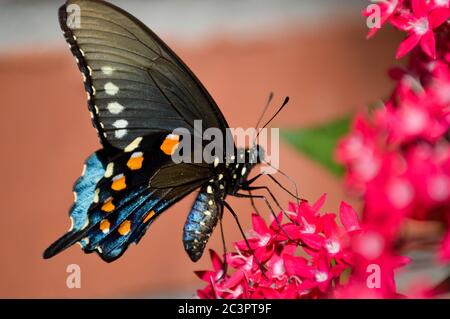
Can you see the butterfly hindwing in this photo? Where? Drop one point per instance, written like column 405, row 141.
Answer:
column 119, row 197
column 136, row 84
column 121, row 220
column 84, row 190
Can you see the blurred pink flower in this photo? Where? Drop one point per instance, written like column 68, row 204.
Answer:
column 387, row 9
column 420, row 22
column 398, row 157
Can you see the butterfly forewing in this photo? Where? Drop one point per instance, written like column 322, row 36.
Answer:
column 136, row 85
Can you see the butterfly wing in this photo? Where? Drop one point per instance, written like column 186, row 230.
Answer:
column 138, row 92
column 135, row 83
column 118, row 199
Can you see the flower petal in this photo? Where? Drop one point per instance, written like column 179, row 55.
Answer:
column 319, row 203
column 313, row 241
column 428, row 44
column 438, row 17
column 420, row 8
column 297, row 266
column 204, row 275
column 444, row 251
column 216, row 261
column 259, row 225
column 407, row 45
column 349, row 217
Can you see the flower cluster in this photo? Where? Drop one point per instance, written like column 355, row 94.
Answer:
column 308, row 256
column 398, row 157
column 420, row 19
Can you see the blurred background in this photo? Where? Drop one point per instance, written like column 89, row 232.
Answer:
column 312, row 50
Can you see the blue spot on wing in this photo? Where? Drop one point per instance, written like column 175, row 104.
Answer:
column 85, row 188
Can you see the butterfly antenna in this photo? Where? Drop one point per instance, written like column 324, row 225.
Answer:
column 285, row 102
column 269, row 99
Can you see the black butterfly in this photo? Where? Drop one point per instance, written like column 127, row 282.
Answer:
column 138, row 92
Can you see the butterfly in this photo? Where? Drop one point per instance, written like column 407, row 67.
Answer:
column 138, row 92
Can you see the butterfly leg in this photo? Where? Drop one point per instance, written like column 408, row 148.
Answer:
column 252, row 202
column 235, row 216
column 296, row 196
column 254, row 188
column 225, row 262
column 262, row 197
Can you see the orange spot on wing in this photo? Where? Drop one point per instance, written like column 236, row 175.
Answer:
column 135, row 161
column 119, row 183
column 170, row 144
column 104, row 225
column 124, row 228
column 108, row 206
column 149, row 216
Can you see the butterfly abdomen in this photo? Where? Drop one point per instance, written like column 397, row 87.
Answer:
column 200, row 223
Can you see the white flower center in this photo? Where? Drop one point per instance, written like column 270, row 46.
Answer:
column 438, row 187
column 415, row 120
column 332, row 246
column 264, row 240
column 308, row 228
column 442, row 3
column 278, row 268
column 421, row 26
column 321, row 276
column 400, row 193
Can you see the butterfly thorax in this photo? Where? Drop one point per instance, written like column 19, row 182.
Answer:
column 240, row 166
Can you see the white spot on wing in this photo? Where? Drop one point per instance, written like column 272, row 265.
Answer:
column 120, row 133
column 109, row 170
column 71, row 224
column 133, row 145
column 84, row 170
column 120, row 124
column 136, row 154
column 111, row 88
column 97, row 192
column 115, row 107
column 107, row 70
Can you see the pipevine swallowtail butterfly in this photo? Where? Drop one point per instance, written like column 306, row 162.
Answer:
column 138, row 92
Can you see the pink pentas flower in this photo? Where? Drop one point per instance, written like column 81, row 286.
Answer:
column 386, row 9
column 420, row 23
column 361, row 154
column 289, row 263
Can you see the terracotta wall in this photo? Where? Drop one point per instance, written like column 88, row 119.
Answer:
column 45, row 134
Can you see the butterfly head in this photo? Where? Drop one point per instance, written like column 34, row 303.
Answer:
column 255, row 154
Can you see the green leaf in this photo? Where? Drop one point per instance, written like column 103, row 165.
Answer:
column 319, row 142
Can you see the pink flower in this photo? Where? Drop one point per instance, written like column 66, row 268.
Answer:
column 387, row 9
column 420, row 23
column 309, row 262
